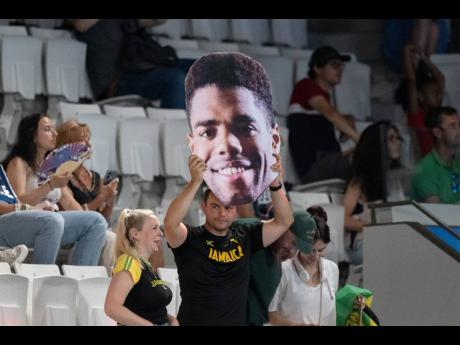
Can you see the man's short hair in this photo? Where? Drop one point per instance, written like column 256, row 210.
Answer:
column 433, row 117
column 206, row 193
column 227, row 71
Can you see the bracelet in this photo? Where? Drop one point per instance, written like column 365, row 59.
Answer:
column 21, row 207
column 277, row 188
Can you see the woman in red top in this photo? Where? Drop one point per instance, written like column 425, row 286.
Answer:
column 312, row 118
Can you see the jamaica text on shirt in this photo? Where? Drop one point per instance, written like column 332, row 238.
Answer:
column 226, row 256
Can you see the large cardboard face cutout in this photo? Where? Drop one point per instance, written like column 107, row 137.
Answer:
column 233, row 132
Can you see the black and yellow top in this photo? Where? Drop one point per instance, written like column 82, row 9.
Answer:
column 150, row 295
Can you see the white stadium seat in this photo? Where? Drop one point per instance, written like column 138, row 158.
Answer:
column 71, row 111
column 124, row 112
column 13, row 299
column 253, row 31
column 211, row 29
column 290, row 32
column 83, row 272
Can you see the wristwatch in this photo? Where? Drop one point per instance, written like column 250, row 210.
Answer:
column 274, row 189
column 21, row 207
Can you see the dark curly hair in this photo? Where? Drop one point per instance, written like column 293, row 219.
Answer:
column 25, row 146
column 230, row 70
column 367, row 160
column 323, row 232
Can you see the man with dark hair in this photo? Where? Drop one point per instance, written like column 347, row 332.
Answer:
column 229, row 110
column 213, row 260
column 313, row 118
column 436, row 177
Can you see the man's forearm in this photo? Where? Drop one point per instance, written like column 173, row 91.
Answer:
column 180, row 205
column 282, row 208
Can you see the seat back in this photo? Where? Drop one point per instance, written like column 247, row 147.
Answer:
column 4, row 267
column 54, row 301
column 46, row 34
column 12, row 30
column 211, row 29
column 13, row 300
column 90, row 303
column 175, row 148
column 124, row 112
column 21, row 68
column 71, row 111
column 83, row 272
column 173, row 28
column 253, row 31
column 170, row 276
column 140, row 148
column 290, row 32
column 65, row 68
column 103, row 142
column 290, row 174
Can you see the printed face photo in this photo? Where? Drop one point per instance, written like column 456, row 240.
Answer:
column 231, row 132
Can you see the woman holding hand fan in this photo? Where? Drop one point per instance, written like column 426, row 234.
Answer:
column 36, row 137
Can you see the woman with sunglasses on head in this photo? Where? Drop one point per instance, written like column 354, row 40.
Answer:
column 137, row 296
column 306, row 294
column 368, row 180
column 313, row 119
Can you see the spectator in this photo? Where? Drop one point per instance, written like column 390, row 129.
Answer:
column 213, row 259
column 266, row 269
column 368, row 181
column 306, row 293
column 137, row 296
column 425, row 90
column 37, row 136
column 14, row 255
column 436, row 177
column 119, row 61
column 312, row 118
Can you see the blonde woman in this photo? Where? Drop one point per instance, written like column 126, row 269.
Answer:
column 137, row 296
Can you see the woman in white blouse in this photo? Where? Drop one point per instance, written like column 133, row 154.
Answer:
column 306, row 293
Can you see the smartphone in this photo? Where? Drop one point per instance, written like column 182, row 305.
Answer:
column 110, row 175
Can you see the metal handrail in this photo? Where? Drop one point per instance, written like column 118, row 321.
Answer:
column 419, row 207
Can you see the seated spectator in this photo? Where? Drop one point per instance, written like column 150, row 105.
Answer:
column 266, row 268
column 137, row 296
column 37, row 136
column 436, row 177
column 367, row 182
column 14, row 255
column 424, row 90
column 306, row 293
column 312, row 119
column 122, row 59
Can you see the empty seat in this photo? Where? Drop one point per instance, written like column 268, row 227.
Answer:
column 54, row 301
column 13, row 299
column 103, row 142
column 452, row 86
column 445, row 59
column 140, row 148
column 4, row 267
column 290, row 32
column 173, row 28
column 65, row 68
column 175, row 149
column 296, row 53
column 71, row 111
column 353, row 94
column 290, row 174
column 281, row 72
column 124, row 112
column 253, row 50
column 253, row 31
column 83, row 272
column 219, row 46
column 13, row 30
column 44, row 23
column 190, row 53
column 90, row 302
column 46, row 34
column 211, row 29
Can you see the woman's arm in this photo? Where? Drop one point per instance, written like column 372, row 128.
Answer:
column 6, row 208
column 350, row 200
column 83, row 25
column 173, row 321
column 321, row 104
column 410, row 79
column 68, row 202
column 120, row 286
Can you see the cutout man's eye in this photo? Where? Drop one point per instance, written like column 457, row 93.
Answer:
column 208, row 133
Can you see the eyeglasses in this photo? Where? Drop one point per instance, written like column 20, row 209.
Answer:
column 455, row 184
column 395, row 138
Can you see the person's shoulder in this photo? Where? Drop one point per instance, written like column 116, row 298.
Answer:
column 306, row 82
column 17, row 162
column 330, row 265
column 127, row 262
column 426, row 164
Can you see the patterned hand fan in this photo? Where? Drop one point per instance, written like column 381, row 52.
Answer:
column 7, row 194
column 65, row 158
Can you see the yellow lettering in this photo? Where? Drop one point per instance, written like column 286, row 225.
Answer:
column 233, row 255
column 210, row 253
column 227, row 257
column 215, row 256
column 240, row 250
column 221, row 256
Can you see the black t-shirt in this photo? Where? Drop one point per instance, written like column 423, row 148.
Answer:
column 214, row 274
column 85, row 196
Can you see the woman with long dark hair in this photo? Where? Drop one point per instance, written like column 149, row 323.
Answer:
column 369, row 181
